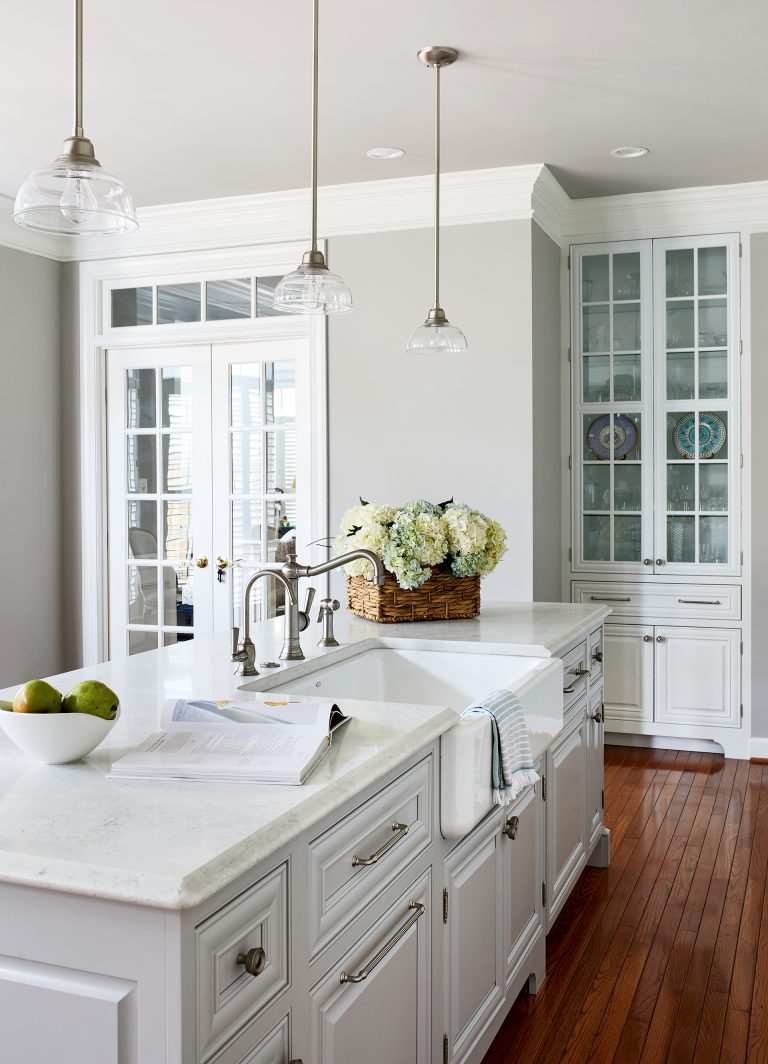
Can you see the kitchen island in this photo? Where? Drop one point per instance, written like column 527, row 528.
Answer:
column 133, row 900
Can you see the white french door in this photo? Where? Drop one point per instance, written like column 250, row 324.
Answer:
column 210, row 477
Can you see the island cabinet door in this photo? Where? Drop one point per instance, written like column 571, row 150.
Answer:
column 566, row 810
column 522, row 846
column 474, row 944
column 375, row 1004
column 595, row 766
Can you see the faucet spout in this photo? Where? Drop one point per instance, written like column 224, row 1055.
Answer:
column 343, row 559
column 275, row 574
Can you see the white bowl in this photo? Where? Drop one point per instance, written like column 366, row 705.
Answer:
column 55, row 738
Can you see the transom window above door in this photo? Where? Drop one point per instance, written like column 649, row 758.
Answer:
column 173, row 303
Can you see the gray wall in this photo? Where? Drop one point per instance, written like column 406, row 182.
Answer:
column 31, row 639
column 547, row 420
column 407, row 426
column 759, row 391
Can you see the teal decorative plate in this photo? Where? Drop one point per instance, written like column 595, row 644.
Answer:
column 712, row 435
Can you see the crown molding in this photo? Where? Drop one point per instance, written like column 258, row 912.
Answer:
column 674, row 212
column 550, row 203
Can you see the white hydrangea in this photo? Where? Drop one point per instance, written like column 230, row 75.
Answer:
column 467, row 530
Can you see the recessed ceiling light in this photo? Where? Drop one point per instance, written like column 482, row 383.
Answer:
column 384, row 153
column 630, row 152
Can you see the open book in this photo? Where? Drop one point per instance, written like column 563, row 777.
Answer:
column 263, row 742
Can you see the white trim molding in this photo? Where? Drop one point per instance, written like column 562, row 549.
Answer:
column 47, row 245
column 758, row 748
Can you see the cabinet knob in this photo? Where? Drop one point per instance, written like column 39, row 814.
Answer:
column 597, row 655
column 661, row 639
column 660, row 561
column 647, row 638
column 647, row 561
column 599, row 717
column 254, row 961
column 511, row 826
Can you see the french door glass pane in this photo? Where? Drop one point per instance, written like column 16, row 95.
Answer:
column 138, row 642
column 141, row 398
column 245, row 395
column 247, row 463
column 142, row 528
column 281, row 461
column 131, row 307
column 143, row 594
column 177, row 462
column 177, row 530
column 281, row 523
column 141, row 453
column 265, row 297
column 280, row 405
column 246, row 531
column 177, row 397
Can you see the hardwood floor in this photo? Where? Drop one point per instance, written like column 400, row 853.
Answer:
column 663, row 957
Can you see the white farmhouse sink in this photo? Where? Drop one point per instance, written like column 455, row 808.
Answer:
column 445, row 678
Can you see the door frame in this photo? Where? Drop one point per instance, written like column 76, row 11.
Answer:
column 96, row 337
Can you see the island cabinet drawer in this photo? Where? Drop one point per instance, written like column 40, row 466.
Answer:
column 721, row 601
column 242, row 960
column 359, row 856
column 575, row 673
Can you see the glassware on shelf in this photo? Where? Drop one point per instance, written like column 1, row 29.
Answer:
column 679, row 272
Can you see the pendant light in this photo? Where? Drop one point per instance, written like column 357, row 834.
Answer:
column 437, row 336
column 74, row 194
column 312, row 288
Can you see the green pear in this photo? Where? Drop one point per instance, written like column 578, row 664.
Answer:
column 94, row 697
column 6, row 705
column 37, row 696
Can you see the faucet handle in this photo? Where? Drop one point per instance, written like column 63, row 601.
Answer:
column 309, row 600
column 235, row 642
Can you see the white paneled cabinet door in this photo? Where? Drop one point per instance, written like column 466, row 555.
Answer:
column 566, row 810
column 159, row 492
column 474, row 946
column 375, row 1004
column 698, row 676
column 262, row 464
column 523, row 856
column 628, row 671
column 595, row 767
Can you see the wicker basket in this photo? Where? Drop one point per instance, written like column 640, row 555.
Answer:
column 443, row 597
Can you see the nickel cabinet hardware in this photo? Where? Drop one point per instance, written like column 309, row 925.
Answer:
column 610, row 598
column 445, row 905
column 579, row 673
column 417, row 910
column 699, row 602
column 254, row 961
column 401, row 830
column 511, row 826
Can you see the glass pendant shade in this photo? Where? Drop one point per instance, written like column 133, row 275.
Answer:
column 75, row 195
column 436, row 337
column 312, row 289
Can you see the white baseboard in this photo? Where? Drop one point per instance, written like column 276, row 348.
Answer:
column 758, row 748
column 669, row 742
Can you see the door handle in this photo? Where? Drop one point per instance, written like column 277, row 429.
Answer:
column 201, row 563
column 418, row 910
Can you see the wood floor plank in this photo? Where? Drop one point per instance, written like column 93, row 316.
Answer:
column 663, row 956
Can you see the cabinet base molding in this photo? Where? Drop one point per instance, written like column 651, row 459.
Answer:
column 601, row 854
column 663, row 742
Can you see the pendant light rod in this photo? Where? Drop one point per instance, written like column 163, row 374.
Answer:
column 315, row 66
column 79, row 68
column 437, row 185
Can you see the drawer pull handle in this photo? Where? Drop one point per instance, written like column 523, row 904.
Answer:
column 510, row 828
column 700, row 602
column 578, row 673
column 610, row 598
column 254, row 961
column 418, row 909
column 400, row 830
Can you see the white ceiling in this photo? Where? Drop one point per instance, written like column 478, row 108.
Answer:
column 191, row 99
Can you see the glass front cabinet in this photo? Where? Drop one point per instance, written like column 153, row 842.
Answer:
column 655, row 454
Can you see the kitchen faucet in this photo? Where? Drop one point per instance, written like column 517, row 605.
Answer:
column 296, row 620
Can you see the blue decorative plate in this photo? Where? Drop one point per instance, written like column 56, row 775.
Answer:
column 712, row 435
column 624, row 436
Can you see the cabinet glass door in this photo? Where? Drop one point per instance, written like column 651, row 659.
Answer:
column 697, row 433
column 613, row 384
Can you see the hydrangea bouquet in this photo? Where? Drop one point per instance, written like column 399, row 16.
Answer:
column 420, row 536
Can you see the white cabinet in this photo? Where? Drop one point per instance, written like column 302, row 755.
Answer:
column 522, row 849
column 375, row 1003
column 628, row 670
column 698, row 676
column 595, row 766
column 566, row 810
column 474, row 950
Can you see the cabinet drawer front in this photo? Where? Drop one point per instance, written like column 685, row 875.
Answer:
column 363, row 853
column 668, row 600
column 227, row 995
column 575, row 674
column 248, row 1048
column 384, row 1017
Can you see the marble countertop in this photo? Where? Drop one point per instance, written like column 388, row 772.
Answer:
column 174, row 844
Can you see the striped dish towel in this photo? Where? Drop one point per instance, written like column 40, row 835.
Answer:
column 511, row 759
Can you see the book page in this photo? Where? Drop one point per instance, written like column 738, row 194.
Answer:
column 323, row 716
